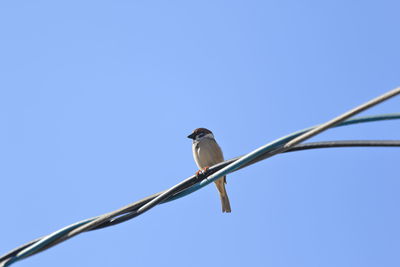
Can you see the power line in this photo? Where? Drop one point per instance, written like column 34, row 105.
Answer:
column 194, row 183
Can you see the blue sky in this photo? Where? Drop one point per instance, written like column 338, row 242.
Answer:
column 97, row 98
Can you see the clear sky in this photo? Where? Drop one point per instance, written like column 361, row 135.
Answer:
column 97, row 98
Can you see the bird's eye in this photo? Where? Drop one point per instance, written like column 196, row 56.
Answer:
column 200, row 135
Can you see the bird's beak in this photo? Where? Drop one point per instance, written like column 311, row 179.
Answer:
column 191, row 136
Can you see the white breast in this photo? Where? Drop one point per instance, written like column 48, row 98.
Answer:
column 207, row 152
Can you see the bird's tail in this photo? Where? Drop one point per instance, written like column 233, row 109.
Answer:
column 226, row 205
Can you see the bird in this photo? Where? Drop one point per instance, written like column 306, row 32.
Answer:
column 206, row 153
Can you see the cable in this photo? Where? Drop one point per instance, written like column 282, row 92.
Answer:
column 193, row 183
column 130, row 210
column 136, row 205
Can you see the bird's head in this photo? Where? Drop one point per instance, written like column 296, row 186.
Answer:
column 200, row 133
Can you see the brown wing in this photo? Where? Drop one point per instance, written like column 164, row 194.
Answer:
column 220, row 156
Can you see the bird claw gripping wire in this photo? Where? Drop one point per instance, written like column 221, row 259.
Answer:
column 203, row 173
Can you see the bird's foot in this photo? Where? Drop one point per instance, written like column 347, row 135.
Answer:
column 202, row 171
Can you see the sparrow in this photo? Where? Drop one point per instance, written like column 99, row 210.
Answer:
column 206, row 153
